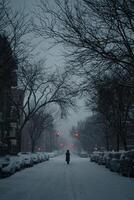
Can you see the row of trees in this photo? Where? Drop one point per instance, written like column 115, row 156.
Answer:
column 88, row 134
column 99, row 38
column 41, row 88
column 114, row 102
column 99, row 41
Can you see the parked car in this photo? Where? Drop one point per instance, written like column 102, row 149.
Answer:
column 127, row 164
column 10, row 167
column 101, row 160
column 43, row 157
column 4, row 160
column 108, row 158
column 114, row 163
column 98, row 156
column 94, row 156
column 84, row 154
column 35, row 158
column 19, row 163
column 46, row 156
column 51, row 154
column 105, row 156
column 40, row 157
column 26, row 156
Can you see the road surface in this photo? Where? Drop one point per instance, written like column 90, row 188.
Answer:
column 55, row 180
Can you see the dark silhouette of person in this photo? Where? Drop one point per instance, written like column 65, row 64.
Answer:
column 67, row 156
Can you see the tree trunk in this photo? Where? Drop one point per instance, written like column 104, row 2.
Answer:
column 106, row 137
column 32, row 146
column 107, row 141
column 18, row 142
column 124, row 140
column 117, row 142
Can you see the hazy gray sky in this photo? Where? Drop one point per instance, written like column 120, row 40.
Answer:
column 53, row 57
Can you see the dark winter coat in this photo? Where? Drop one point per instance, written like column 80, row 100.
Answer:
column 67, row 156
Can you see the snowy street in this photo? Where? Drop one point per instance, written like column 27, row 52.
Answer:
column 55, row 180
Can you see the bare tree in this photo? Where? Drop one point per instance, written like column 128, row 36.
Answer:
column 99, row 35
column 37, row 125
column 41, row 89
column 15, row 25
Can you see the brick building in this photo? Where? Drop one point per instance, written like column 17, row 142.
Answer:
column 8, row 79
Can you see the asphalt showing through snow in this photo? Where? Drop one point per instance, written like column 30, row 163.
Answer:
column 55, row 180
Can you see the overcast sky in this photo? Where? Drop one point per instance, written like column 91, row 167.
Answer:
column 53, row 57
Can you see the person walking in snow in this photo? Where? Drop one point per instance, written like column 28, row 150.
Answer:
column 67, row 156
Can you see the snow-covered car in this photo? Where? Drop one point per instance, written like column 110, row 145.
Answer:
column 4, row 160
column 35, row 158
column 101, row 160
column 46, row 156
column 127, row 164
column 40, row 158
column 105, row 156
column 108, row 158
column 26, row 156
column 114, row 164
column 94, row 156
column 19, row 163
column 53, row 154
column 83, row 154
column 43, row 158
column 10, row 167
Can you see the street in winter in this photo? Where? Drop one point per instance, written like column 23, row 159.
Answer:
column 55, row 180
column 66, row 99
